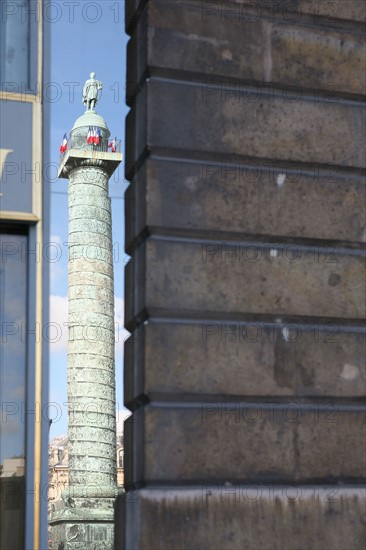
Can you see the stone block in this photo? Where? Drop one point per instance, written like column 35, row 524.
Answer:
column 239, row 517
column 246, row 441
column 236, row 278
column 332, row 61
column 192, row 360
column 323, row 13
column 249, row 200
column 192, row 120
column 132, row 9
column 333, row 444
column 320, row 13
column 136, row 68
column 353, row 10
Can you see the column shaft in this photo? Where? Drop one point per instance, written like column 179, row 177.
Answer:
column 91, row 376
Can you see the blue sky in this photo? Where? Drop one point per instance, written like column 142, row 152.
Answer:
column 86, row 37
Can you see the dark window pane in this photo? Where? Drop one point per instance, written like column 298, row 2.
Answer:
column 13, row 293
column 14, row 45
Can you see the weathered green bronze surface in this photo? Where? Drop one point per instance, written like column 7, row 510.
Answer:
column 84, row 518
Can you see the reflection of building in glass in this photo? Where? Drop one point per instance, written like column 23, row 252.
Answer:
column 24, row 209
column 13, row 467
column 18, row 37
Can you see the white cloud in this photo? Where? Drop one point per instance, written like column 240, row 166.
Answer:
column 119, row 307
column 56, row 239
column 56, row 252
column 121, row 333
column 11, row 425
column 58, row 333
column 57, row 273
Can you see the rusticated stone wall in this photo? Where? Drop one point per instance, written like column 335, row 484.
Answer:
column 245, row 292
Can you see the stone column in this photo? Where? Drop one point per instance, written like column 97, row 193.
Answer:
column 84, row 518
column 91, row 376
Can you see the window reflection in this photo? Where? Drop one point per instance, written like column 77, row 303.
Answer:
column 13, row 298
column 14, row 45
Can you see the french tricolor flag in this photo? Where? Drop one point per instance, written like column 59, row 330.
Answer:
column 63, row 145
column 97, row 136
column 113, row 145
column 90, row 138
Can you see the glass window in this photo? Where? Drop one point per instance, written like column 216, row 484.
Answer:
column 120, row 459
column 13, row 310
column 15, row 45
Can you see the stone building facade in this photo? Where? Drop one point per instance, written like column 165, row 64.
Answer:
column 245, row 293
column 25, row 190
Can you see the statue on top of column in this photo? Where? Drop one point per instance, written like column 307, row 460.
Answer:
column 90, row 92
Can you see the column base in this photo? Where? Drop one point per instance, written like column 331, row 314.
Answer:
column 83, row 523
